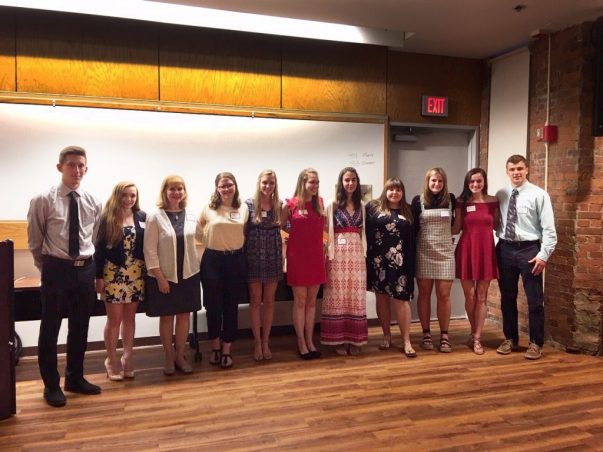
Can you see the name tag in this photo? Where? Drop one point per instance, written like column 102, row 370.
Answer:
column 470, row 208
column 341, row 241
column 445, row 213
column 303, row 212
column 142, row 224
column 264, row 214
column 235, row 215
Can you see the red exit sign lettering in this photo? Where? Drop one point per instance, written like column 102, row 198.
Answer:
column 434, row 106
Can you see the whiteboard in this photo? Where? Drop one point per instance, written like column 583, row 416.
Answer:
column 146, row 146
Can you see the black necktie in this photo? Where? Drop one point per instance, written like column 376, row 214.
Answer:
column 511, row 216
column 74, row 226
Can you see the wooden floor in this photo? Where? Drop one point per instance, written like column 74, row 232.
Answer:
column 378, row 401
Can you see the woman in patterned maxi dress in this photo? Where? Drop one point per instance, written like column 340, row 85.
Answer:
column 263, row 249
column 390, row 260
column 343, row 322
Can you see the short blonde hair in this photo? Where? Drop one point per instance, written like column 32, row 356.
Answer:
column 162, row 201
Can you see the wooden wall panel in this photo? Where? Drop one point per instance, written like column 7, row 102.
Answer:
column 336, row 77
column 219, row 67
column 7, row 50
column 16, row 231
column 411, row 75
column 86, row 55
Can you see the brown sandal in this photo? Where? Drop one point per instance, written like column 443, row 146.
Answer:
column 445, row 345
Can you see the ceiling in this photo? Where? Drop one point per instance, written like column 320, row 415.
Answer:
column 461, row 28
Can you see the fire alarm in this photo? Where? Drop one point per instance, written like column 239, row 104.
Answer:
column 550, row 133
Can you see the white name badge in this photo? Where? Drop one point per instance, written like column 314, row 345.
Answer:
column 445, row 213
column 470, row 208
column 235, row 215
column 264, row 214
column 142, row 224
column 303, row 212
column 341, row 241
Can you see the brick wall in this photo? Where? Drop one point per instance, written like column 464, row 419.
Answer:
column 573, row 284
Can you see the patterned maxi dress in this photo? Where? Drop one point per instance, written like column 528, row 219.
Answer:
column 344, row 298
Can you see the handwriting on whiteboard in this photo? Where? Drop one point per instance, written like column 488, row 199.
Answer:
column 361, row 159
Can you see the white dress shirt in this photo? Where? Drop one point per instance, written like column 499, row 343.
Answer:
column 535, row 218
column 48, row 223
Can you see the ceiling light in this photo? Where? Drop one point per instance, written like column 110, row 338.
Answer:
column 213, row 18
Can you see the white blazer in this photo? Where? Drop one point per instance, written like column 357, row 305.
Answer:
column 160, row 246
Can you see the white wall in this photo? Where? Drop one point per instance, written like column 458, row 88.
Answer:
column 509, row 98
column 146, row 146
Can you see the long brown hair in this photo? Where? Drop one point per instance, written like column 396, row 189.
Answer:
column 112, row 217
column 215, row 200
column 381, row 204
column 466, row 193
column 428, row 196
column 340, row 191
column 276, row 202
column 300, row 191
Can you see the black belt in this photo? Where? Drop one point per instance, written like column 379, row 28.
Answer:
column 225, row 253
column 71, row 262
column 519, row 243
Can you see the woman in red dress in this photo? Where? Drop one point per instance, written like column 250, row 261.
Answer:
column 305, row 257
column 477, row 215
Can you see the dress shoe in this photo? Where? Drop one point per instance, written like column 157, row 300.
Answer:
column 305, row 356
column 81, row 386
column 54, row 397
column 315, row 354
column 183, row 366
column 127, row 371
column 111, row 374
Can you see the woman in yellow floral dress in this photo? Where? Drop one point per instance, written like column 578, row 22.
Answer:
column 120, row 274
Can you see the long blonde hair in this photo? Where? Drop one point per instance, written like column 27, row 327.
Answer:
column 428, row 196
column 300, row 191
column 276, row 202
column 112, row 217
column 162, row 201
column 381, row 204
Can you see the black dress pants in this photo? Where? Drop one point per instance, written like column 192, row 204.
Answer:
column 223, row 278
column 67, row 291
column 513, row 261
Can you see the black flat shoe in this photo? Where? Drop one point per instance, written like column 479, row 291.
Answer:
column 54, row 397
column 315, row 354
column 81, row 386
column 305, row 356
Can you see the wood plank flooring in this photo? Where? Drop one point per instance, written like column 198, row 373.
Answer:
column 378, row 401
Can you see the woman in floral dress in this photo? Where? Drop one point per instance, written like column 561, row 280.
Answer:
column 390, row 260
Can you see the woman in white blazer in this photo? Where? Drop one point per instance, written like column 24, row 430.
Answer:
column 173, row 286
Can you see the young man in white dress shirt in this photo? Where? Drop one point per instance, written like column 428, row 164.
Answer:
column 62, row 227
column 527, row 240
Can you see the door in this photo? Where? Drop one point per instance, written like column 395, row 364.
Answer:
column 415, row 149
column 7, row 332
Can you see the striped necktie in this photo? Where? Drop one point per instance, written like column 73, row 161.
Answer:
column 511, row 216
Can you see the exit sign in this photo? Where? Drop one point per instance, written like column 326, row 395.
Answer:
column 434, row 106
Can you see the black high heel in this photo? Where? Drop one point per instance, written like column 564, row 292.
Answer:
column 305, row 356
